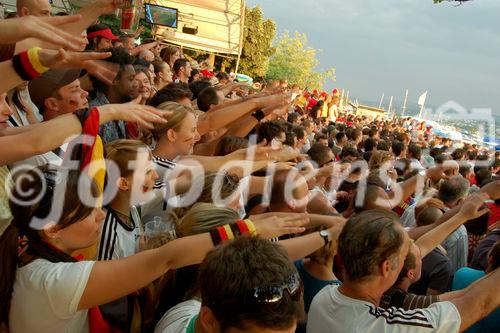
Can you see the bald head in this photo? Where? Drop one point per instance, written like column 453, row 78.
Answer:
column 33, row 7
column 147, row 55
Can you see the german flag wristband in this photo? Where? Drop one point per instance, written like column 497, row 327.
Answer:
column 230, row 231
column 27, row 64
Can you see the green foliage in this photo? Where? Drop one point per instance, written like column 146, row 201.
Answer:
column 113, row 22
column 295, row 61
column 257, row 43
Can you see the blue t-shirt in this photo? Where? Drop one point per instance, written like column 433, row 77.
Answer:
column 312, row 285
column 462, row 279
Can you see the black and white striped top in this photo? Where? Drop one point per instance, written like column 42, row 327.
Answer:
column 158, row 205
column 118, row 240
column 163, row 165
column 332, row 311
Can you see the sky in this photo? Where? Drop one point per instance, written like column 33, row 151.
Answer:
column 388, row 46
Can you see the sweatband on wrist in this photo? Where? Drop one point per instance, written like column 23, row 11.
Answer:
column 27, row 64
column 221, row 234
column 33, row 56
column 251, row 228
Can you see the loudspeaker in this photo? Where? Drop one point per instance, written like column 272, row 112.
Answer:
column 190, row 30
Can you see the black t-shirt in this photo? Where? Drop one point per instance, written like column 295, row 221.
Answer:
column 436, row 273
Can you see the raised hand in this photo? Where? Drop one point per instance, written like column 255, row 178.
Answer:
column 275, row 226
column 143, row 115
column 67, row 59
column 105, row 71
column 43, row 28
column 439, row 172
column 473, row 206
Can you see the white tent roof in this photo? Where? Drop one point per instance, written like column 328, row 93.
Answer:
column 220, row 24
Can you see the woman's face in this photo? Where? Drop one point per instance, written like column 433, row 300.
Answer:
column 144, row 86
column 81, row 234
column 166, row 73
column 143, row 179
column 187, row 135
column 196, row 77
column 176, row 55
column 5, row 111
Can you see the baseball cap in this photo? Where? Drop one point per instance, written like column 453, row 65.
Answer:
column 45, row 85
column 105, row 33
column 335, row 92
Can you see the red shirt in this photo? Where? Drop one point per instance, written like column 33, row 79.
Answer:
column 494, row 215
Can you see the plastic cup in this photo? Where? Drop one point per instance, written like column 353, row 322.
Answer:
column 157, row 234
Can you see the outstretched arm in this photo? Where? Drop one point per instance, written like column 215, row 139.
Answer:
column 471, row 209
column 56, row 131
column 479, row 300
column 113, row 279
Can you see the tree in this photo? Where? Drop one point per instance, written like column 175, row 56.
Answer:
column 297, row 62
column 257, row 43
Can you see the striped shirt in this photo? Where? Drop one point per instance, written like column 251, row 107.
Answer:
column 399, row 298
column 331, row 311
column 158, row 205
column 118, row 239
column 178, row 318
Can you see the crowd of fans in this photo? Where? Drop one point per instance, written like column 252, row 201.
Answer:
column 194, row 203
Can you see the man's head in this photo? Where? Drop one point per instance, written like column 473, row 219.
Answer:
column 412, row 268
column 414, row 152
column 198, row 86
column 290, row 192
column 373, row 247
column 173, row 92
column 147, row 55
column 236, row 299
column 182, row 69
column 399, row 149
column 271, row 131
column 125, row 87
column 222, row 77
column 100, row 37
column 370, row 144
column 58, row 92
column 127, row 42
column 208, row 98
column 33, row 7
column 321, row 139
column 341, row 139
column 453, row 191
column 321, row 154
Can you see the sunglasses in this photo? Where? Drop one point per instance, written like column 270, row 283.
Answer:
column 271, row 295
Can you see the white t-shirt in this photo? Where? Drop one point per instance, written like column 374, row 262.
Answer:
column 46, row 297
column 331, row 311
column 177, row 319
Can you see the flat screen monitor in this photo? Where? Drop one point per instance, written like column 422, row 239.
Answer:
column 160, row 15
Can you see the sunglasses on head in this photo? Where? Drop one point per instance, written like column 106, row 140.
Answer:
column 271, row 295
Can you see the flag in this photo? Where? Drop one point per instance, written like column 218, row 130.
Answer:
column 422, row 98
